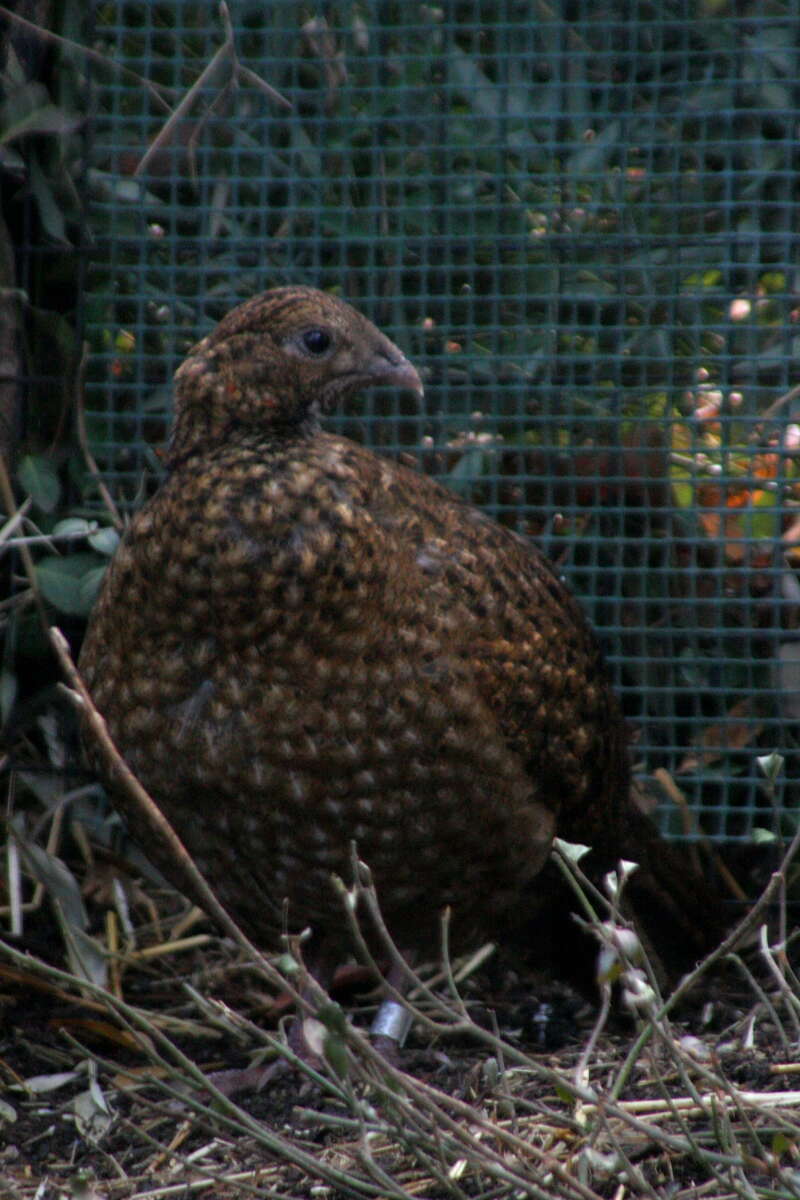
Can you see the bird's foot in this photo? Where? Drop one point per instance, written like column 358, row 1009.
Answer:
column 387, row 1034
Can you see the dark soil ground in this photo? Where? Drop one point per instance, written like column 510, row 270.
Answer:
column 87, row 1111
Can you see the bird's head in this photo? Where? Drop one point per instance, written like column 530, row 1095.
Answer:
column 275, row 362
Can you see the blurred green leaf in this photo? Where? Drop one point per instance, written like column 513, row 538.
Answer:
column 479, row 92
column 86, row 956
column 565, row 1094
column 105, row 540
column 762, row 518
column 288, row 965
column 51, row 215
column 470, row 467
column 90, row 586
column 73, row 526
column 781, row 1143
column 11, row 161
column 335, row 1051
column 47, row 119
column 69, row 582
column 682, row 492
column 771, row 765
column 332, row 1017
column 38, row 478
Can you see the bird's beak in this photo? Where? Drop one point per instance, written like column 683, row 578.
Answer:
column 390, row 368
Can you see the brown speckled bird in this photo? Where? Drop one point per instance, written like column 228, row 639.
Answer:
column 300, row 644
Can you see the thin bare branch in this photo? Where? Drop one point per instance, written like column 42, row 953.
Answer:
column 47, row 35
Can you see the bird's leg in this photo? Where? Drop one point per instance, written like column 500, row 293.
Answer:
column 392, row 1020
column 388, row 1030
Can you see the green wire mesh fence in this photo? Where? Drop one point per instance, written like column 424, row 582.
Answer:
column 580, row 220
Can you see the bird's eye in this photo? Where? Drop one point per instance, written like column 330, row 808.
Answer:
column 316, row 341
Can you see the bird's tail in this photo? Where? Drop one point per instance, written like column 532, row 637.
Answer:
column 678, row 909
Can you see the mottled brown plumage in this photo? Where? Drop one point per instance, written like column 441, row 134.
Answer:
column 300, row 644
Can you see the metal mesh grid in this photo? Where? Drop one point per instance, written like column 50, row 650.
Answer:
column 581, row 224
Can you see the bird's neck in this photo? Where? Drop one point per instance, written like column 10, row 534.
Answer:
column 200, row 430
column 222, row 399
column 268, row 440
